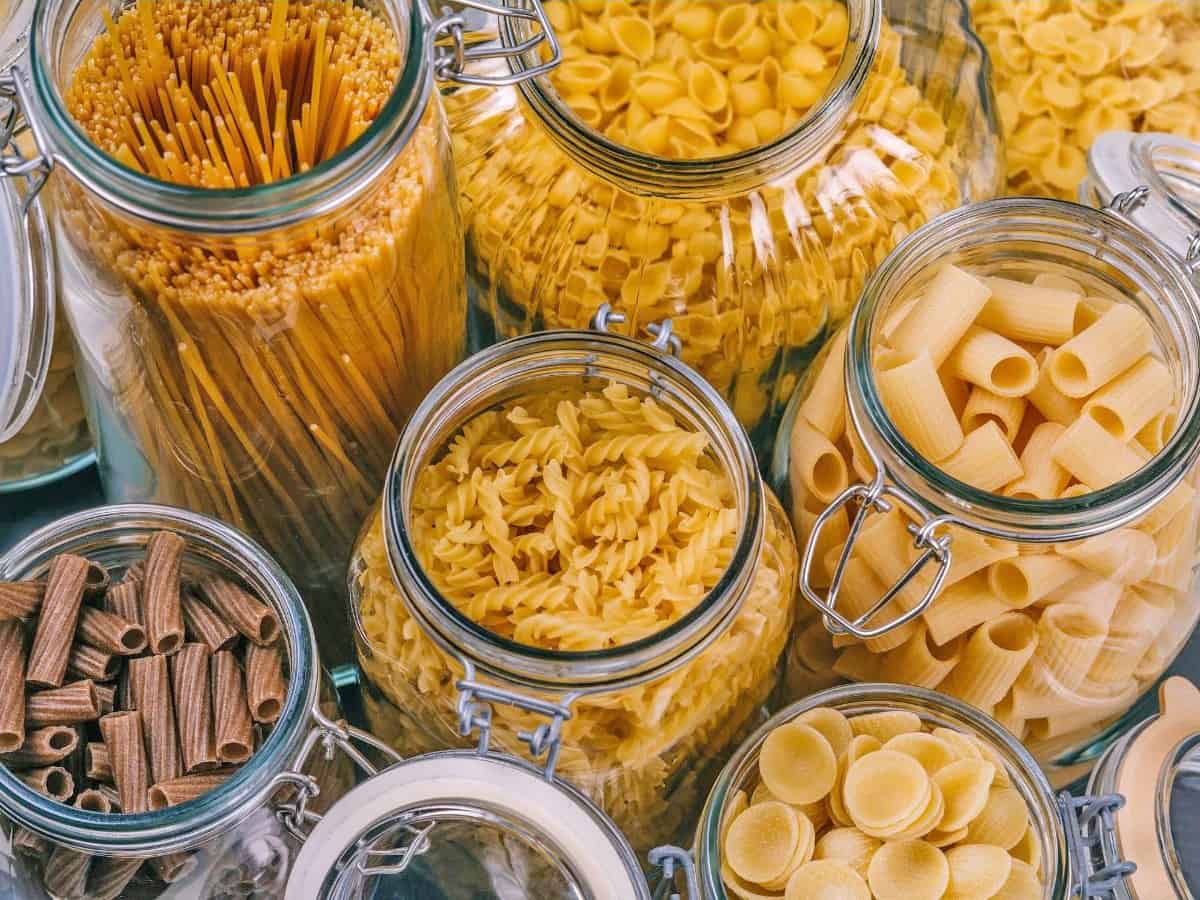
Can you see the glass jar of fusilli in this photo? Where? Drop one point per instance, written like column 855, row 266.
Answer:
column 1002, row 448
column 574, row 543
column 739, row 167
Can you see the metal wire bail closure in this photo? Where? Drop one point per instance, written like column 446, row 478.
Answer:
column 1088, row 823
column 672, row 862
column 663, row 333
column 450, row 56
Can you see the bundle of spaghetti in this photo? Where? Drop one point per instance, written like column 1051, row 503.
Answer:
column 577, row 521
column 264, row 377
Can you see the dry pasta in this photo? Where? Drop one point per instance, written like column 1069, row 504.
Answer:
column 923, row 817
column 573, row 521
column 1053, row 639
column 1067, row 70
column 749, row 280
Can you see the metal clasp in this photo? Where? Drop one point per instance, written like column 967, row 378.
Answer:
column 450, row 62
column 36, row 170
column 1088, row 823
column 475, row 701
column 1129, row 201
column 672, row 861
column 663, row 333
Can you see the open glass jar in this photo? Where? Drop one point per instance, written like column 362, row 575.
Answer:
column 253, row 327
column 842, row 139
column 634, row 710
column 241, row 836
column 1061, row 833
column 1009, row 569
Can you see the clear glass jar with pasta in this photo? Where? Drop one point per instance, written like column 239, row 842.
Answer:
column 575, row 545
column 262, row 264
column 1016, row 524
column 801, row 799
column 1065, row 71
column 738, row 167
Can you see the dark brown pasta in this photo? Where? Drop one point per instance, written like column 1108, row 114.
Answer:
column 205, row 626
column 67, row 873
column 127, row 753
column 231, row 712
column 189, row 787
column 27, row 843
column 110, row 633
column 108, row 698
column 266, row 688
column 160, row 592
column 252, row 618
column 96, row 763
column 43, row 747
column 151, row 688
column 56, row 625
column 12, row 686
column 53, row 781
column 94, row 800
column 70, row 704
column 20, row 599
column 174, row 866
column 125, row 600
column 193, row 707
column 111, row 793
column 97, row 581
column 110, row 876
column 135, row 574
column 88, row 662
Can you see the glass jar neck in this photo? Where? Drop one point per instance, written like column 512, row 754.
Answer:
column 116, row 536
column 562, row 360
column 62, row 32
column 1028, row 232
column 696, row 179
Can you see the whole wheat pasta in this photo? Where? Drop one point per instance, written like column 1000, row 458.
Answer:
column 174, row 867
column 12, row 685
column 53, row 781
column 56, row 625
column 97, row 766
column 127, row 753
column 27, row 843
column 94, row 800
column 134, row 575
column 193, row 707
column 266, row 688
column 97, row 581
column 43, row 747
column 111, row 793
column 254, row 619
column 20, row 599
column 70, row 704
column 150, row 685
column 160, row 592
column 66, row 873
column 110, row 633
column 89, row 663
column 125, row 600
column 231, row 712
column 108, row 698
column 189, row 787
column 205, row 626
column 110, row 875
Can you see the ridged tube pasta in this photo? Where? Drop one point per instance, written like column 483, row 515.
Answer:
column 918, row 404
column 1101, row 352
column 921, row 662
column 1126, row 555
column 995, row 654
column 825, row 406
column 984, row 407
column 1037, row 314
column 941, row 316
column 993, row 362
column 1047, row 399
column 961, row 607
column 821, row 466
column 1093, row 456
column 985, row 460
column 1069, row 640
column 1041, row 477
column 1128, row 403
column 1023, row 581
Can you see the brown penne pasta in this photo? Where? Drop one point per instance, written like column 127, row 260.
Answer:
column 94, row 800
column 151, row 688
column 43, row 747
column 231, row 711
column 189, row 787
column 205, row 626
column 125, row 600
column 20, row 599
column 111, row 793
column 135, row 574
column 127, row 753
column 27, row 843
column 266, row 689
column 193, row 707
column 109, row 876
column 55, row 631
column 254, row 619
column 68, row 705
column 174, row 867
column 110, row 633
column 53, row 781
column 66, row 873
column 12, row 686
column 108, row 698
column 97, row 766
column 160, row 592
column 98, row 580
column 88, row 662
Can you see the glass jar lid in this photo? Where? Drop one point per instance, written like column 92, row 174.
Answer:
column 464, row 824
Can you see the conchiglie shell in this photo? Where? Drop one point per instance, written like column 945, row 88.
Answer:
column 633, row 36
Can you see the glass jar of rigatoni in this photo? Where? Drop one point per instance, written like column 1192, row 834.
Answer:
column 575, row 545
column 887, row 792
column 993, row 471
column 162, row 702
column 738, row 167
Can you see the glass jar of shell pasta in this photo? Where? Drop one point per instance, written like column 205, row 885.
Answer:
column 738, row 167
column 575, row 551
column 1016, row 526
column 241, row 838
column 261, row 263
column 801, row 805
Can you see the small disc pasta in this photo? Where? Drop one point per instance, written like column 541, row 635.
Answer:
column 966, row 786
column 834, row 727
column 797, row 764
column 849, row 846
column 931, row 751
column 762, row 840
column 1002, row 821
column 884, row 726
column 826, row 879
column 977, row 870
column 884, row 789
column 908, row 870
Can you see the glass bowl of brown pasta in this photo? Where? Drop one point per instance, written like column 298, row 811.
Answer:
column 738, row 167
column 575, row 545
column 993, row 472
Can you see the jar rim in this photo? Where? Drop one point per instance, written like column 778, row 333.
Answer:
column 169, row 830
column 993, row 222
column 573, row 353
column 229, row 211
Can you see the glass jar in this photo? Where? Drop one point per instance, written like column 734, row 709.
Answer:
column 639, row 726
column 754, row 256
column 1066, row 71
column 1066, row 718
column 251, row 352
column 241, row 832
column 1061, row 831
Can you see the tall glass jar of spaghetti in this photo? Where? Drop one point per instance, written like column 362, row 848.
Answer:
column 260, row 252
column 738, row 167
column 575, row 551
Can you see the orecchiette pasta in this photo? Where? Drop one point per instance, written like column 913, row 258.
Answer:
column 923, row 817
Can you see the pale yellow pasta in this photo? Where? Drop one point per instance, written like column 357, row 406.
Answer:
column 1102, row 351
column 985, row 460
column 1175, row 544
column 761, row 841
column 1039, row 314
column 995, row 654
column 861, row 590
column 1006, row 716
column 965, row 785
column 826, row 880
column 1181, row 496
column 1093, row 456
column 883, row 726
column 1126, row 555
column 849, row 846
column 1002, row 821
column 977, row 870
column 1023, row 581
column 825, row 407
column 1029, row 849
column 1022, row 884
column 962, row 607
column 822, row 469
column 832, row 725
column 832, row 536
column 1047, row 399
column 1128, row 403
column 1155, row 433
column 884, row 789
column 913, row 395
column 908, row 870
column 920, row 661
column 1069, row 639
column 988, row 360
column 983, row 407
column 1042, row 478
column 942, row 315
column 801, row 855
column 933, row 753
column 797, row 764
